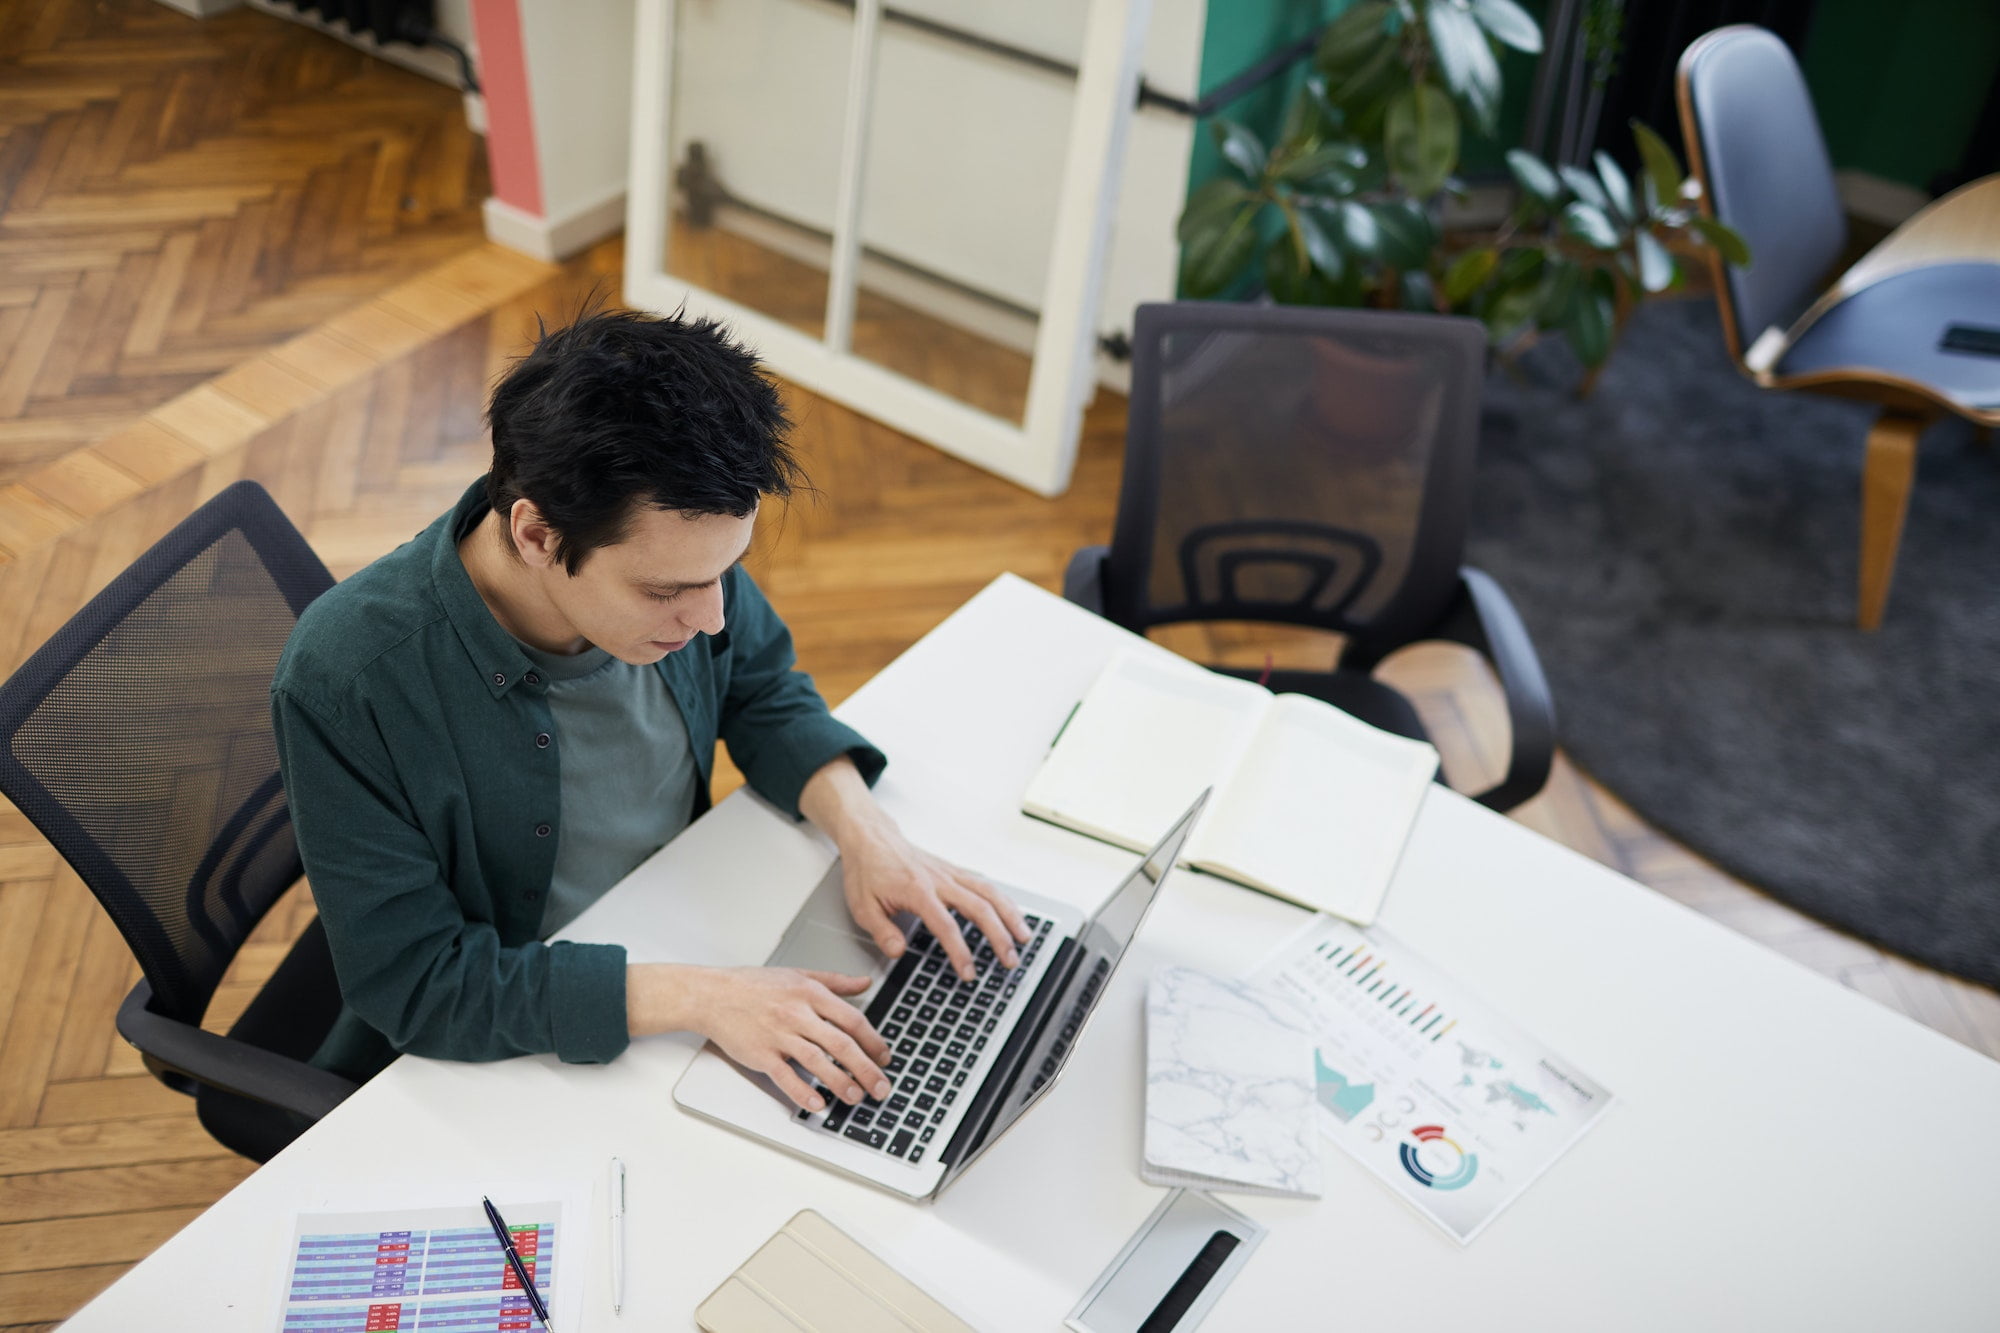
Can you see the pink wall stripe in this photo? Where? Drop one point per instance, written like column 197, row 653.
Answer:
column 510, row 119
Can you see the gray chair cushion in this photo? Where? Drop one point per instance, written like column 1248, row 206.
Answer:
column 1768, row 172
column 1894, row 326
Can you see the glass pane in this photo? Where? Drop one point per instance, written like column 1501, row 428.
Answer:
column 964, row 164
column 759, row 95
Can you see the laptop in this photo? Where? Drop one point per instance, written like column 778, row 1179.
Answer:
column 967, row 1058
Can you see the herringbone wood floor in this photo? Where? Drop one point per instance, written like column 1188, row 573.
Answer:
column 179, row 194
column 368, row 426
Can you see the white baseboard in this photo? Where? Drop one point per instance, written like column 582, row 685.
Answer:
column 554, row 239
column 1884, row 202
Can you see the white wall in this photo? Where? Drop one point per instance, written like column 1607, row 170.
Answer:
column 966, row 148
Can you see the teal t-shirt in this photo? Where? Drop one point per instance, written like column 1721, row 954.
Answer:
column 628, row 774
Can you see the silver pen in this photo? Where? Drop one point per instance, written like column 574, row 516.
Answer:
column 617, row 1194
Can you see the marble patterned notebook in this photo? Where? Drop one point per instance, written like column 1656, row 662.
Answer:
column 1229, row 1088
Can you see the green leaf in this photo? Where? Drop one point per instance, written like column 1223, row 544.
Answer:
column 1212, row 258
column 1590, row 225
column 1356, row 228
column 1465, row 60
column 1519, row 266
column 1241, row 148
column 1355, row 38
column 1421, row 138
column 1468, row 273
column 1534, row 176
column 1656, row 266
column 1555, row 297
column 1589, row 323
column 1406, row 234
column 1584, row 186
column 1209, row 206
column 1511, row 310
column 1417, row 291
column 1319, row 246
column 1508, row 24
column 1727, row 242
column 1360, row 91
column 1617, row 189
column 1335, row 162
column 1663, row 169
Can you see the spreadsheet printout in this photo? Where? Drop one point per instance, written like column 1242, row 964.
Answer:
column 431, row 1268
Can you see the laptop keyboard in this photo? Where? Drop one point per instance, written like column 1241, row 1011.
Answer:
column 938, row 1029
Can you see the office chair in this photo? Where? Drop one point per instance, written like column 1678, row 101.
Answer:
column 1877, row 333
column 1314, row 467
column 138, row 740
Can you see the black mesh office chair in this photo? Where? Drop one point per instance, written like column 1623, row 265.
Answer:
column 138, row 740
column 1314, row 467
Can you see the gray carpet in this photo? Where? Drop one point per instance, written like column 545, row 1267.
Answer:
column 1682, row 547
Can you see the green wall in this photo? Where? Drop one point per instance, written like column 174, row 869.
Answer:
column 1899, row 87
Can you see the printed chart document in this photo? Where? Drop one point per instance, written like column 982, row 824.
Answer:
column 1455, row 1108
column 429, row 1268
column 1311, row 804
column 1229, row 1088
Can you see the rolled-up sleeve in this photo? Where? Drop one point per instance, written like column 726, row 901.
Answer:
column 411, row 963
column 775, row 723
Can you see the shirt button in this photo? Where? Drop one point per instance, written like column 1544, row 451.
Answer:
column 534, row 678
column 499, row 678
column 542, row 741
column 543, row 830
column 533, row 895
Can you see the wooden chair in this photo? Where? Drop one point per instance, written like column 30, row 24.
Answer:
column 1755, row 146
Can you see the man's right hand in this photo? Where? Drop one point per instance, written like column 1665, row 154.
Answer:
column 765, row 1018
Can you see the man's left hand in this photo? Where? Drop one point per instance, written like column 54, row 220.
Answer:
column 885, row 874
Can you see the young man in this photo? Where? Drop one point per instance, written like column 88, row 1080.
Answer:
column 487, row 728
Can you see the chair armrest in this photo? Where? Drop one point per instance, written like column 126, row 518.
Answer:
column 1481, row 617
column 1083, row 581
column 230, row 1066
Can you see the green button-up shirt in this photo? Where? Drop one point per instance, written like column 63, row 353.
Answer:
column 418, row 752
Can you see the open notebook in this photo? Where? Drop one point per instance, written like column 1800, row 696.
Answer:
column 1310, row 804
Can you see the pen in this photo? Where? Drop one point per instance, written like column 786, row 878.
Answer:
column 506, row 1239
column 617, row 1235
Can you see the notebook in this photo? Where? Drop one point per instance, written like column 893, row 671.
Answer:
column 1229, row 1088
column 1311, row 804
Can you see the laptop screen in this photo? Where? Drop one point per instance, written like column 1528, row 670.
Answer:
column 1098, row 947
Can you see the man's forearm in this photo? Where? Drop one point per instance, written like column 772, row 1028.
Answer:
column 838, row 801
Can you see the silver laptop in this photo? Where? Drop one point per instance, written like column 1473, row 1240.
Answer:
column 967, row 1058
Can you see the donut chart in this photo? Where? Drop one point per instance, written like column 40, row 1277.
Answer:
column 1458, row 1176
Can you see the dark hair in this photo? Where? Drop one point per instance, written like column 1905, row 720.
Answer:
column 622, row 409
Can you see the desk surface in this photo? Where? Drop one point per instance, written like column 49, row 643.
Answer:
column 1783, row 1154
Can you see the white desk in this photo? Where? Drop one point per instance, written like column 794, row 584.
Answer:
column 1785, row 1155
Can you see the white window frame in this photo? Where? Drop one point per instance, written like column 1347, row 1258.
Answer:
column 1039, row 452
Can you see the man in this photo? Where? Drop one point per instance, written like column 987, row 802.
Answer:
column 485, row 729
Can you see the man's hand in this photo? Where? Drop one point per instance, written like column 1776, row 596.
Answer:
column 764, row 1018
column 884, row 875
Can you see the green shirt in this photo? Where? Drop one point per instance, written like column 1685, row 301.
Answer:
column 428, row 804
column 628, row 777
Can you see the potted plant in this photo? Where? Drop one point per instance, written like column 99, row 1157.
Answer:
column 1368, row 150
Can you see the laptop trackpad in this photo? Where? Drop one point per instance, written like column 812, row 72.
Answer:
column 822, row 948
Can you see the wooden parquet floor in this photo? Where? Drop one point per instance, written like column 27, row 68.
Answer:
column 364, row 429
column 177, row 195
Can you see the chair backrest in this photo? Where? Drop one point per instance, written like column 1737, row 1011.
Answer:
column 1755, row 145
column 1300, row 465
column 138, row 740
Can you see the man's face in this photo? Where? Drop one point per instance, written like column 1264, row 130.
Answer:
column 648, row 595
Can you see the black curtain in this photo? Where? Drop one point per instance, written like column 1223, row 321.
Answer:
column 1654, row 35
